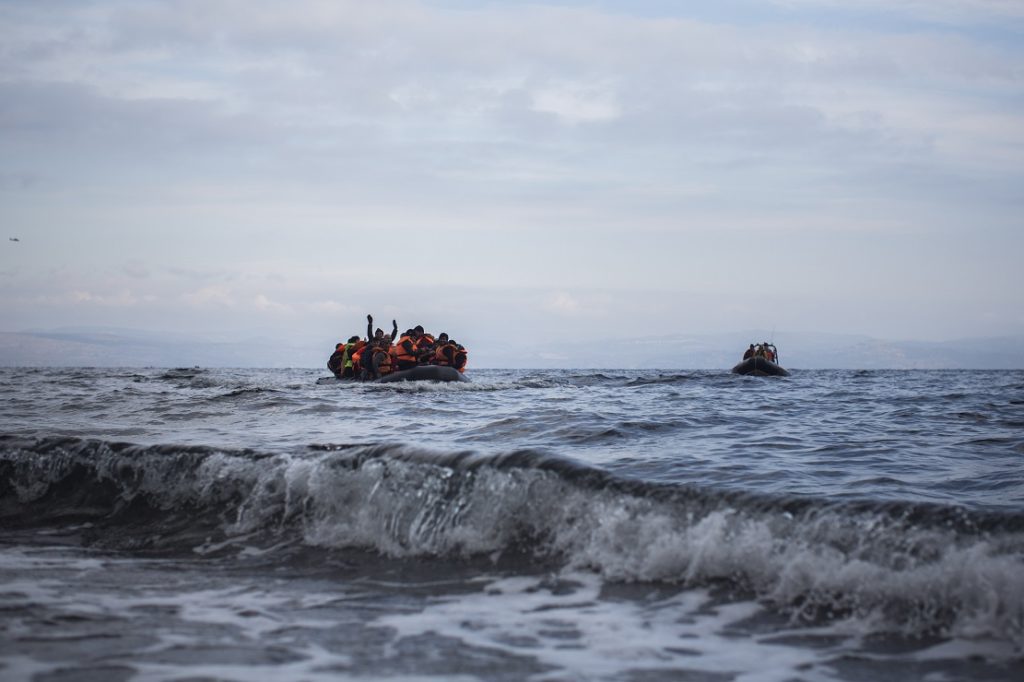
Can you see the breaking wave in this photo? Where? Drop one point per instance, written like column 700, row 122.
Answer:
column 912, row 568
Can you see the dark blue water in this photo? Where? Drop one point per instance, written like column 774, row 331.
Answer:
column 620, row 525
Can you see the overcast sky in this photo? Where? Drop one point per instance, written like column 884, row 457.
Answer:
column 498, row 169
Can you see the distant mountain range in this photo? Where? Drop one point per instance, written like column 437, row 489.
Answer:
column 133, row 348
column 796, row 351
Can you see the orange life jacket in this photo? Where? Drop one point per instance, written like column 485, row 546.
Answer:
column 401, row 354
column 357, row 347
column 357, row 357
column 424, row 341
column 386, row 366
column 439, row 355
column 461, row 358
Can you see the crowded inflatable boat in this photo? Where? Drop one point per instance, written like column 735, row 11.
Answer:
column 416, row 355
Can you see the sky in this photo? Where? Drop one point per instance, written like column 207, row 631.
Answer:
column 497, row 170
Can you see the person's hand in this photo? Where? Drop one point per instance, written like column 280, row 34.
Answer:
column 369, row 318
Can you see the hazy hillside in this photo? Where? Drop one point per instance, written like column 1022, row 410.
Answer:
column 127, row 348
column 797, row 351
column 130, row 348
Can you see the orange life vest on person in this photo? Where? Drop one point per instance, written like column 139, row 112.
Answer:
column 401, row 354
column 424, row 341
column 461, row 358
column 769, row 355
column 439, row 355
column 357, row 353
column 386, row 366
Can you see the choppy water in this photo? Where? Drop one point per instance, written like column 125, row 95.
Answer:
column 253, row 524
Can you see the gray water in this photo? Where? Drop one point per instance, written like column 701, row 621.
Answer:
column 551, row 525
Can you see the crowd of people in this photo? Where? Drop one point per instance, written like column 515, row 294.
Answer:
column 379, row 354
column 764, row 350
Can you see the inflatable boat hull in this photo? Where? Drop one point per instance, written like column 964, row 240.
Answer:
column 760, row 367
column 425, row 373
column 421, row 373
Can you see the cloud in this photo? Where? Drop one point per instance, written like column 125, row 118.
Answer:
column 267, row 95
column 214, row 295
column 120, row 299
column 562, row 302
column 951, row 11
column 330, row 307
column 548, row 149
column 578, row 102
column 264, row 303
column 594, row 304
column 136, row 269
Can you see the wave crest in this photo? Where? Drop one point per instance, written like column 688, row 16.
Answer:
column 916, row 568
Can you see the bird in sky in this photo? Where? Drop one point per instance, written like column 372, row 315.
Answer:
column 15, row 239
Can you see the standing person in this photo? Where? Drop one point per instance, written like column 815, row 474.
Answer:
column 370, row 334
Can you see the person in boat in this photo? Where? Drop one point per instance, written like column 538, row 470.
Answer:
column 340, row 362
column 444, row 351
column 426, row 338
column 349, row 369
column 376, row 360
column 749, row 353
column 384, row 359
column 408, row 350
column 370, row 334
column 426, row 346
column 335, row 362
column 460, row 358
column 365, row 357
column 769, row 351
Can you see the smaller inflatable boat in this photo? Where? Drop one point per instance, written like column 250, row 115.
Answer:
column 421, row 373
column 760, row 367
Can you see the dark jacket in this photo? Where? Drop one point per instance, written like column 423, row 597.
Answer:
column 336, row 362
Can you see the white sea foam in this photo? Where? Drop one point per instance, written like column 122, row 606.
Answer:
column 580, row 634
column 832, row 561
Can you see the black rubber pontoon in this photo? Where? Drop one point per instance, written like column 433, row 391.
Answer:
column 424, row 373
column 760, row 367
column 421, row 373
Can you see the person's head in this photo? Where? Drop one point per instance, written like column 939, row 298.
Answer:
column 353, row 339
column 751, row 345
column 418, row 329
column 442, row 337
column 378, row 333
column 339, row 346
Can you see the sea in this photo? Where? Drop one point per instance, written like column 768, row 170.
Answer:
column 630, row 526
